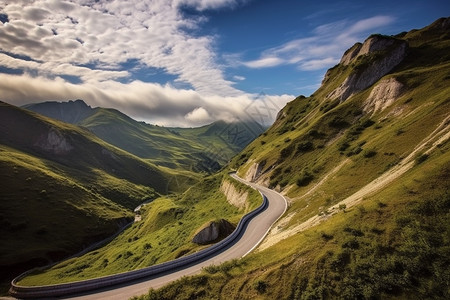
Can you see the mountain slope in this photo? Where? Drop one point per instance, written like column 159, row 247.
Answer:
column 63, row 188
column 365, row 164
column 195, row 149
column 164, row 232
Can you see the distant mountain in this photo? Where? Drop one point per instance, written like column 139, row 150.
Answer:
column 71, row 112
column 205, row 148
column 365, row 165
column 64, row 188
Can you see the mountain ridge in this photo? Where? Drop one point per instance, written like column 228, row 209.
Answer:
column 176, row 148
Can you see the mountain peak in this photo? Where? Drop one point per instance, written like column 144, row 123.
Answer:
column 374, row 43
column 72, row 111
column 370, row 61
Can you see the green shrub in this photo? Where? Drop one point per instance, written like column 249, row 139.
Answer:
column 369, row 153
column 421, row 158
column 261, row 286
column 305, row 178
column 285, row 152
column 305, row 147
column 338, row 122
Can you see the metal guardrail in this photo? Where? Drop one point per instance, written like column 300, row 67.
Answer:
column 107, row 281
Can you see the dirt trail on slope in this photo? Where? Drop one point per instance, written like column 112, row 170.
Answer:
column 426, row 146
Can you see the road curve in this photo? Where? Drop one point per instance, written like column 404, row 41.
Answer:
column 254, row 233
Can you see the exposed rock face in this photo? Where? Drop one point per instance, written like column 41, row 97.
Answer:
column 234, row 197
column 373, row 59
column 383, row 95
column 255, row 171
column 350, row 54
column 213, row 231
column 54, row 142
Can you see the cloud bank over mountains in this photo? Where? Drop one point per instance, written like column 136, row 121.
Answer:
column 98, row 50
column 53, row 43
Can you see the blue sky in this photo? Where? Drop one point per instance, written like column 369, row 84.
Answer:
column 186, row 62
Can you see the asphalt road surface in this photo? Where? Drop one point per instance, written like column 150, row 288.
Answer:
column 255, row 232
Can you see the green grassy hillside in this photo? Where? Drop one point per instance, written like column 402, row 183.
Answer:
column 367, row 179
column 164, row 232
column 203, row 149
column 63, row 188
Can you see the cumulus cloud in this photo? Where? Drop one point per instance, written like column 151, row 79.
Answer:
column 199, row 116
column 52, row 41
column 314, row 52
column 150, row 102
column 93, row 39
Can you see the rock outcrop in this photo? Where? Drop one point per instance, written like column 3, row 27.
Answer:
column 234, row 197
column 214, row 231
column 255, row 171
column 383, row 95
column 370, row 61
column 54, row 142
column 350, row 54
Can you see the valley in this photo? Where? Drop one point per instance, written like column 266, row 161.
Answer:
column 65, row 186
column 254, row 232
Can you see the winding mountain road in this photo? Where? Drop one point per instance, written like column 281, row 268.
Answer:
column 254, row 233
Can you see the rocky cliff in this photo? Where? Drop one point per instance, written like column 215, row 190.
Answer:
column 213, row 231
column 370, row 61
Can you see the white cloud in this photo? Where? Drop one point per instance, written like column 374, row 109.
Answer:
column 323, row 48
column 317, row 64
column 91, row 39
column 199, row 116
column 94, row 39
column 369, row 24
column 210, row 4
column 153, row 103
column 264, row 62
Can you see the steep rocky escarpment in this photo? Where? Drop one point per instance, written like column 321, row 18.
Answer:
column 373, row 59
